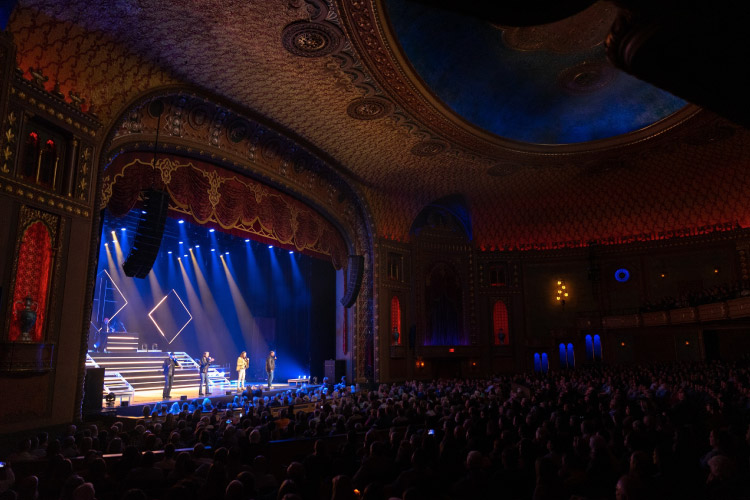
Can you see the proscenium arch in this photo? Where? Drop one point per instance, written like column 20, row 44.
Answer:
column 356, row 225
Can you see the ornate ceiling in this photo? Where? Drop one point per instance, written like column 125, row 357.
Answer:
column 338, row 79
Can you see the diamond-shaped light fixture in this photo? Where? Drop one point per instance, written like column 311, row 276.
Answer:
column 164, row 303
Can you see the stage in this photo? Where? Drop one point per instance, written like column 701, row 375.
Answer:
column 133, row 406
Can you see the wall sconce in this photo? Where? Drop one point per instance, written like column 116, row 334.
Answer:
column 420, row 363
column 562, row 292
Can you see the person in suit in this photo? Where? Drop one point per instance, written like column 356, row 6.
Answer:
column 169, row 365
column 204, row 363
column 242, row 364
column 270, row 367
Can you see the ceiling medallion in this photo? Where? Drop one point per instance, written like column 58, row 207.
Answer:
column 428, row 148
column 586, row 77
column 370, row 108
column 308, row 39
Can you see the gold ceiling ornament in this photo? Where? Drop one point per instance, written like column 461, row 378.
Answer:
column 370, row 108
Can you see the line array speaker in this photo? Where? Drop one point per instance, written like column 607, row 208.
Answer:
column 354, row 280
column 148, row 235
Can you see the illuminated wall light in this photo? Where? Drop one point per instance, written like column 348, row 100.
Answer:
column 622, row 344
column 687, row 342
column 716, row 270
column 562, row 292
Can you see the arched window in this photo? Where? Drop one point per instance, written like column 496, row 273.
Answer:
column 589, row 349
column 537, row 362
column 597, row 348
column 395, row 321
column 571, row 357
column 500, row 323
column 563, row 356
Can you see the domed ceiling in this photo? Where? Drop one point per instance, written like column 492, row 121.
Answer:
column 549, row 84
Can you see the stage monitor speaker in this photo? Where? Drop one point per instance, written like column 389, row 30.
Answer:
column 354, row 280
column 148, row 235
column 93, row 389
column 334, row 370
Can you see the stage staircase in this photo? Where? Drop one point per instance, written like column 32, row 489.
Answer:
column 142, row 370
column 113, row 381
column 122, row 342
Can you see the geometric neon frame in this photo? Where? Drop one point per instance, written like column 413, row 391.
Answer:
column 121, row 295
column 157, row 325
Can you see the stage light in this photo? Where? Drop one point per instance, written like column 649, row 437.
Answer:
column 106, row 244
column 143, row 211
column 185, row 255
column 226, row 253
column 180, row 243
column 247, row 240
column 197, row 246
column 122, row 229
column 213, row 249
column 180, row 221
column 270, row 246
column 291, row 252
column 170, row 252
column 114, row 235
column 211, row 230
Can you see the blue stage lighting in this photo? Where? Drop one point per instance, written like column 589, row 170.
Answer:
column 122, row 229
column 211, row 230
column 197, row 246
column 143, row 211
column 170, row 252
column 247, row 240
column 226, row 253
column 213, row 249
column 270, row 246
column 291, row 252
column 180, row 243
column 185, row 255
column 180, row 221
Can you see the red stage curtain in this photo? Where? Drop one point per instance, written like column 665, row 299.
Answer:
column 236, row 204
column 32, row 278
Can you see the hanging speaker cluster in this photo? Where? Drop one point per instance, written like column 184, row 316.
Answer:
column 148, row 235
column 354, row 280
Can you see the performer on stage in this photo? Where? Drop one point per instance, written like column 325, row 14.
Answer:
column 204, row 363
column 101, row 344
column 243, row 363
column 270, row 367
column 169, row 365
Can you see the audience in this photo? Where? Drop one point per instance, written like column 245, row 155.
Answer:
column 600, row 432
